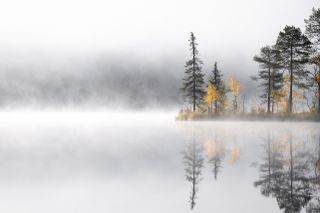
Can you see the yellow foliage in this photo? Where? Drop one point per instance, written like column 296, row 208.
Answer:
column 235, row 87
column 212, row 94
column 234, row 155
column 318, row 77
column 213, row 149
column 286, row 79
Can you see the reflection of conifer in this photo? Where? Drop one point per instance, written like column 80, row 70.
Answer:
column 286, row 177
column 216, row 163
column 215, row 152
column 314, row 204
column 270, row 168
column 193, row 161
column 295, row 191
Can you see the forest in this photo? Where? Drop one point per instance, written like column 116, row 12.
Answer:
column 288, row 80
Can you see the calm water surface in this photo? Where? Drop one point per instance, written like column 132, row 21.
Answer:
column 148, row 162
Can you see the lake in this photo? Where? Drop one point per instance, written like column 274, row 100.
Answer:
column 82, row 161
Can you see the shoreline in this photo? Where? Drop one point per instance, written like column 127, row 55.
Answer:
column 250, row 118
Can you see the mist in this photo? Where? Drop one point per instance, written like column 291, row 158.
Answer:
column 130, row 55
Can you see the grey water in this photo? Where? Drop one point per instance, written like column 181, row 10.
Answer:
column 148, row 162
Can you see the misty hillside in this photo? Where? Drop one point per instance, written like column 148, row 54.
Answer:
column 101, row 81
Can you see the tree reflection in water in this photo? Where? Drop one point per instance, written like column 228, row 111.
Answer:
column 286, row 172
column 193, row 161
column 215, row 154
column 314, row 205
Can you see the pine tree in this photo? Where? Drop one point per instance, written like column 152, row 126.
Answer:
column 313, row 26
column 269, row 74
column 216, row 80
column 313, row 33
column 193, row 83
column 294, row 48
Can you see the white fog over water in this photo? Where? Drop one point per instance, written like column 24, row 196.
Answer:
column 118, row 162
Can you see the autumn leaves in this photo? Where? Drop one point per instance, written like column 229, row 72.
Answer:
column 205, row 97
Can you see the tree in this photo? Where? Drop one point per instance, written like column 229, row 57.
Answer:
column 313, row 33
column 216, row 80
column 193, row 161
column 224, row 90
column 235, row 90
column 193, row 81
column 269, row 75
column 294, row 48
column 314, row 77
column 212, row 95
column 313, row 26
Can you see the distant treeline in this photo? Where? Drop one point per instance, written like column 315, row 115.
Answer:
column 288, row 77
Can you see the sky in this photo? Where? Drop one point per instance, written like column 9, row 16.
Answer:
column 76, row 37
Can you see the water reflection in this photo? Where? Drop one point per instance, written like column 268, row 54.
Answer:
column 215, row 154
column 77, row 167
column 287, row 161
column 193, row 161
column 286, row 172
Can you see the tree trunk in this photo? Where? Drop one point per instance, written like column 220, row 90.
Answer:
column 269, row 156
column 319, row 148
column 215, row 106
column 243, row 104
column 318, row 98
column 216, row 85
column 193, row 176
column 194, row 73
column 291, row 82
column 235, row 103
column 291, row 171
column 273, row 95
column 269, row 86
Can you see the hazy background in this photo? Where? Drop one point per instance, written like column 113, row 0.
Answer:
column 130, row 54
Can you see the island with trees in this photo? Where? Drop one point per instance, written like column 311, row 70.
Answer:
column 288, row 80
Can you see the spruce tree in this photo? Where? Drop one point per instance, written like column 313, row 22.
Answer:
column 269, row 74
column 294, row 48
column 216, row 80
column 193, row 83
